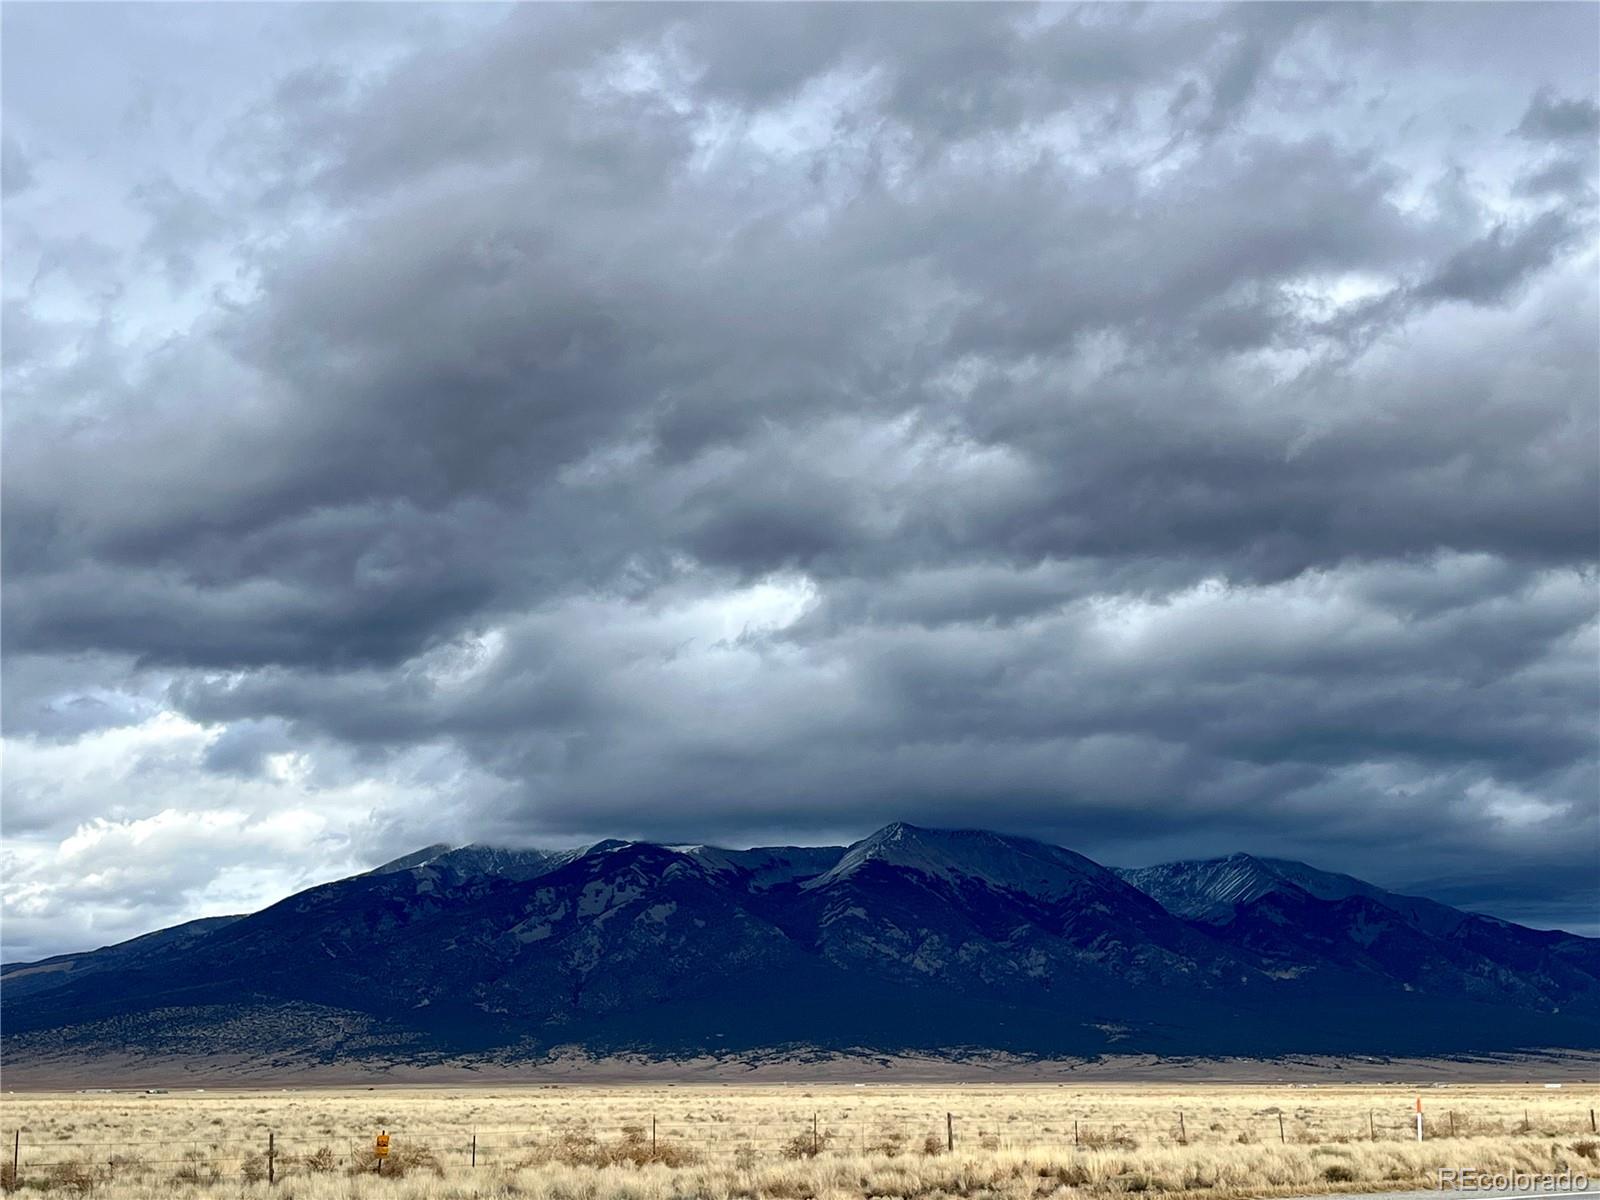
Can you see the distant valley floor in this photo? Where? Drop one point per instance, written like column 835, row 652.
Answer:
column 1552, row 1066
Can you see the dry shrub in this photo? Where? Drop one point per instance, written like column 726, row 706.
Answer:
column 320, row 1161
column 253, row 1169
column 635, row 1148
column 8, row 1179
column 1139, row 1181
column 1073, row 1175
column 787, row 1188
column 806, row 1145
column 1587, row 1149
column 73, row 1177
column 889, row 1145
column 1115, row 1140
column 933, row 1145
column 196, row 1169
column 405, row 1158
column 575, row 1149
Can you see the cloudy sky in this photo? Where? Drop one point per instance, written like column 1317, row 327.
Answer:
column 1161, row 430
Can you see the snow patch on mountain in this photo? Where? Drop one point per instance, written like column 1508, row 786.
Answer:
column 476, row 859
column 1213, row 889
column 766, row 867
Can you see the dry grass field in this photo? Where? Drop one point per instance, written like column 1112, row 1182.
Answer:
column 823, row 1141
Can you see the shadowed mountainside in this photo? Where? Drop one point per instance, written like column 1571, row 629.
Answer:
column 910, row 940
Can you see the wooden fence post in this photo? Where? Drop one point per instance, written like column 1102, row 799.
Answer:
column 475, row 1147
column 1183, row 1134
column 949, row 1131
column 16, row 1154
column 1592, row 1128
column 816, row 1146
column 272, row 1176
column 652, row 1134
column 1372, row 1129
column 1075, row 1141
column 1281, row 1138
column 1452, row 1122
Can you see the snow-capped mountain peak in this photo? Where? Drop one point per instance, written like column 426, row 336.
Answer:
column 953, row 855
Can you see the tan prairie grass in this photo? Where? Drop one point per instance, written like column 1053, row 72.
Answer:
column 808, row 1142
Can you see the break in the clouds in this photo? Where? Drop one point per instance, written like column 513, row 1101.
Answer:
column 1165, row 430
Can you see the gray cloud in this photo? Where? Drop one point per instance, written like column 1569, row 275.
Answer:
column 1557, row 119
column 16, row 168
column 1491, row 267
column 1149, row 428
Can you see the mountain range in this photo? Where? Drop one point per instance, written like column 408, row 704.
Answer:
column 913, row 939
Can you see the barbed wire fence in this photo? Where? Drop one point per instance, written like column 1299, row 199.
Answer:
column 271, row 1155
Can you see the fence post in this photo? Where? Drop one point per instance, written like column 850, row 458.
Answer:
column 1452, row 1122
column 1075, row 1141
column 1183, row 1135
column 815, row 1145
column 1372, row 1129
column 1281, row 1138
column 272, row 1176
column 16, row 1153
column 949, row 1132
column 475, row 1147
column 1592, row 1128
column 652, row 1135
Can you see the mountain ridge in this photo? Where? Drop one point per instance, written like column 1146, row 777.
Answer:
column 911, row 939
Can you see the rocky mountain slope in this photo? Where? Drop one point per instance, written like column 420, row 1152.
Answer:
column 911, row 939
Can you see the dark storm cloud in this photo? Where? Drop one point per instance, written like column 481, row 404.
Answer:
column 1148, row 428
column 1559, row 119
column 1489, row 269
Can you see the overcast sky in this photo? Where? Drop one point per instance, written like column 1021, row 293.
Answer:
column 1164, row 430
